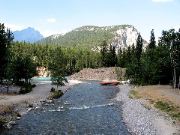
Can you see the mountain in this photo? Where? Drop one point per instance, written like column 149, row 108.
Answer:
column 120, row 36
column 29, row 35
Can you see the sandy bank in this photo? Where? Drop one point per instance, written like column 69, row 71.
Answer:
column 35, row 97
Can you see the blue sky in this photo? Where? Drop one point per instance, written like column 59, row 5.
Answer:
column 60, row 16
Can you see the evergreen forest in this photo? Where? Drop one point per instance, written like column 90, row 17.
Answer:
column 157, row 63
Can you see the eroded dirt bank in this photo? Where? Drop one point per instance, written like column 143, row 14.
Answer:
column 100, row 74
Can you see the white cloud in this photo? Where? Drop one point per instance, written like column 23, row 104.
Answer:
column 47, row 33
column 162, row 0
column 51, row 20
column 177, row 27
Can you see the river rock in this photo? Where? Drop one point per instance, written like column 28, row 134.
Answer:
column 10, row 124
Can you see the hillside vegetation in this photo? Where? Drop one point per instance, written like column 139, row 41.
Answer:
column 85, row 36
column 157, row 64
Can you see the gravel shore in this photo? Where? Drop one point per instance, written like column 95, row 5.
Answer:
column 141, row 120
column 38, row 95
column 22, row 104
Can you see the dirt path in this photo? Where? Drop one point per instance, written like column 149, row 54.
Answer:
column 40, row 92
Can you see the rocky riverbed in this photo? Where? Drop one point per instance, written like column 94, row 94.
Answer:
column 88, row 108
column 141, row 120
column 12, row 107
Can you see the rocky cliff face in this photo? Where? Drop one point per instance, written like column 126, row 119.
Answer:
column 92, row 37
column 125, row 37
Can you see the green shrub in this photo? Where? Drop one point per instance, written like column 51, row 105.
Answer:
column 26, row 89
column 164, row 106
column 52, row 89
column 4, row 110
column 134, row 94
column 176, row 115
column 33, row 85
column 173, row 111
column 2, row 121
column 56, row 94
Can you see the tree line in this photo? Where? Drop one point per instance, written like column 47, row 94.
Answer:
column 19, row 60
column 157, row 63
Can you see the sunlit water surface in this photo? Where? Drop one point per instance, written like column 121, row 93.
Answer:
column 87, row 108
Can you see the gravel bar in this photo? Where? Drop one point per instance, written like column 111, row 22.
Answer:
column 141, row 120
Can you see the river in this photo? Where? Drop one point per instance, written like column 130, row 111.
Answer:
column 87, row 108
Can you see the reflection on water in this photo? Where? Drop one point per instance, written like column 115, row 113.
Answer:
column 87, row 108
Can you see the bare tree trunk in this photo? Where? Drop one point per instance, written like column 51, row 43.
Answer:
column 174, row 78
column 7, row 88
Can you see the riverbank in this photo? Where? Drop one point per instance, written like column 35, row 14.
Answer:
column 87, row 108
column 142, row 120
column 14, row 106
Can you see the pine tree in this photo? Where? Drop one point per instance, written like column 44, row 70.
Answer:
column 139, row 45
column 119, row 57
column 111, row 58
column 137, row 66
column 152, row 43
column 58, row 67
column 6, row 38
column 149, row 62
column 114, row 56
column 104, row 53
column 23, row 67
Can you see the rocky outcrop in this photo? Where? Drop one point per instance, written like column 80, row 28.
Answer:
column 98, row 74
column 125, row 37
column 42, row 72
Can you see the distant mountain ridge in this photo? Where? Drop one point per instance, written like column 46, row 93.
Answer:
column 120, row 36
column 28, row 35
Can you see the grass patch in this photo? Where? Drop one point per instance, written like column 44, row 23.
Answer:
column 134, row 94
column 6, row 109
column 7, row 114
column 170, row 109
column 176, row 116
column 3, row 121
column 164, row 106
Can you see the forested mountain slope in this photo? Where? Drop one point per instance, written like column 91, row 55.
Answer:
column 93, row 36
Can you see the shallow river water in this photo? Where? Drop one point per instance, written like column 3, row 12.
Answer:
column 87, row 108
